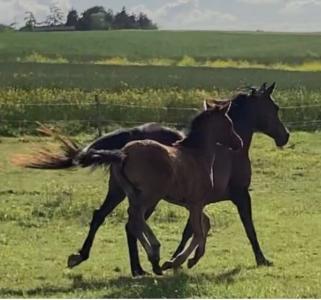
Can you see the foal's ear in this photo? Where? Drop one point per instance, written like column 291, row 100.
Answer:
column 270, row 90
column 207, row 105
column 224, row 108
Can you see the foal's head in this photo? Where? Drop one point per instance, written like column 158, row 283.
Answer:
column 213, row 125
column 266, row 115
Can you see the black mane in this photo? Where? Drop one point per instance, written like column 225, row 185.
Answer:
column 194, row 132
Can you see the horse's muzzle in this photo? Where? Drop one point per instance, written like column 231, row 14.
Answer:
column 283, row 140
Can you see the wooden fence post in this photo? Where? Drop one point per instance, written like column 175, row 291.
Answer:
column 98, row 119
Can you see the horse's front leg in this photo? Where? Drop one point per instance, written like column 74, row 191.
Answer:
column 200, row 250
column 198, row 239
column 115, row 196
column 187, row 234
column 242, row 199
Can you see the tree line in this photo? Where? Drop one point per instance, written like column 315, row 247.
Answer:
column 93, row 18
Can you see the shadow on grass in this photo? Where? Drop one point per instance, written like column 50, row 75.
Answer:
column 180, row 285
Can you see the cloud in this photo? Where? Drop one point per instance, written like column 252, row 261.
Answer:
column 186, row 14
column 301, row 6
column 14, row 10
column 260, row 2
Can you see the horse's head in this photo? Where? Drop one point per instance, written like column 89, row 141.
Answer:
column 266, row 115
column 219, row 123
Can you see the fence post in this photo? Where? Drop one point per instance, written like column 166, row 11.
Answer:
column 98, row 119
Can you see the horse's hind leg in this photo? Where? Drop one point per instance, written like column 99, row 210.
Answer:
column 139, row 228
column 136, row 268
column 115, row 196
column 242, row 199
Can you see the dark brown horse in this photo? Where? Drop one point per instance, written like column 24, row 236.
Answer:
column 250, row 112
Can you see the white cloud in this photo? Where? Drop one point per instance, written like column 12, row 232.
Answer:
column 300, row 6
column 260, row 2
column 14, row 10
column 186, row 14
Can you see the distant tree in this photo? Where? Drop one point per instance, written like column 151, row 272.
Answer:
column 97, row 21
column 145, row 23
column 4, row 27
column 132, row 22
column 72, row 18
column 30, row 21
column 121, row 20
column 55, row 17
column 109, row 17
column 87, row 21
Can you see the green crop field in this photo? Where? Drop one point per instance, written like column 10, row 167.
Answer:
column 201, row 45
column 44, row 217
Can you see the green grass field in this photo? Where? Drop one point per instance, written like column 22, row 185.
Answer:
column 44, row 217
column 201, row 45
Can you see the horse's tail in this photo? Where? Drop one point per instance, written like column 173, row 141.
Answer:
column 47, row 158
column 99, row 158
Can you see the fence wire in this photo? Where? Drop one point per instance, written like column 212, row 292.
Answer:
column 97, row 115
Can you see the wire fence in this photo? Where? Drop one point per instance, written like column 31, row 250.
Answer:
column 98, row 116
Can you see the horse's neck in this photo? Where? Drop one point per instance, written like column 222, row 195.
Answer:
column 245, row 131
column 202, row 146
column 243, row 125
column 206, row 152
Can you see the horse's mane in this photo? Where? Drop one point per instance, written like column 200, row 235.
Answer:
column 194, row 132
column 238, row 101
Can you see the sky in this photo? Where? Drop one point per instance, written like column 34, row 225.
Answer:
column 267, row 15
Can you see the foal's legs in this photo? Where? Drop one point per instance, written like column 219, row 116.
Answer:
column 136, row 268
column 188, row 232
column 139, row 228
column 198, row 239
column 115, row 196
column 242, row 199
column 200, row 250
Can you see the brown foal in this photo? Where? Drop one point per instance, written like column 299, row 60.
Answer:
column 181, row 174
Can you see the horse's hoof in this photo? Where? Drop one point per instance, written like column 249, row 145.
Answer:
column 191, row 263
column 74, row 260
column 167, row 265
column 157, row 270
column 139, row 273
column 264, row 262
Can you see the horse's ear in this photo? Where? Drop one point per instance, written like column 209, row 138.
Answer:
column 253, row 91
column 207, row 105
column 270, row 90
column 263, row 88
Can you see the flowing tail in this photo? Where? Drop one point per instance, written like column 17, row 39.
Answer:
column 47, row 158
column 100, row 158
column 70, row 155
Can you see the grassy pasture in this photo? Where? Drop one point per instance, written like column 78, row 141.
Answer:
column 201, row 45
column 44, row 217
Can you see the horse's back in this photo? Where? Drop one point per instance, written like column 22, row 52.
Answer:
column 148, row 165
